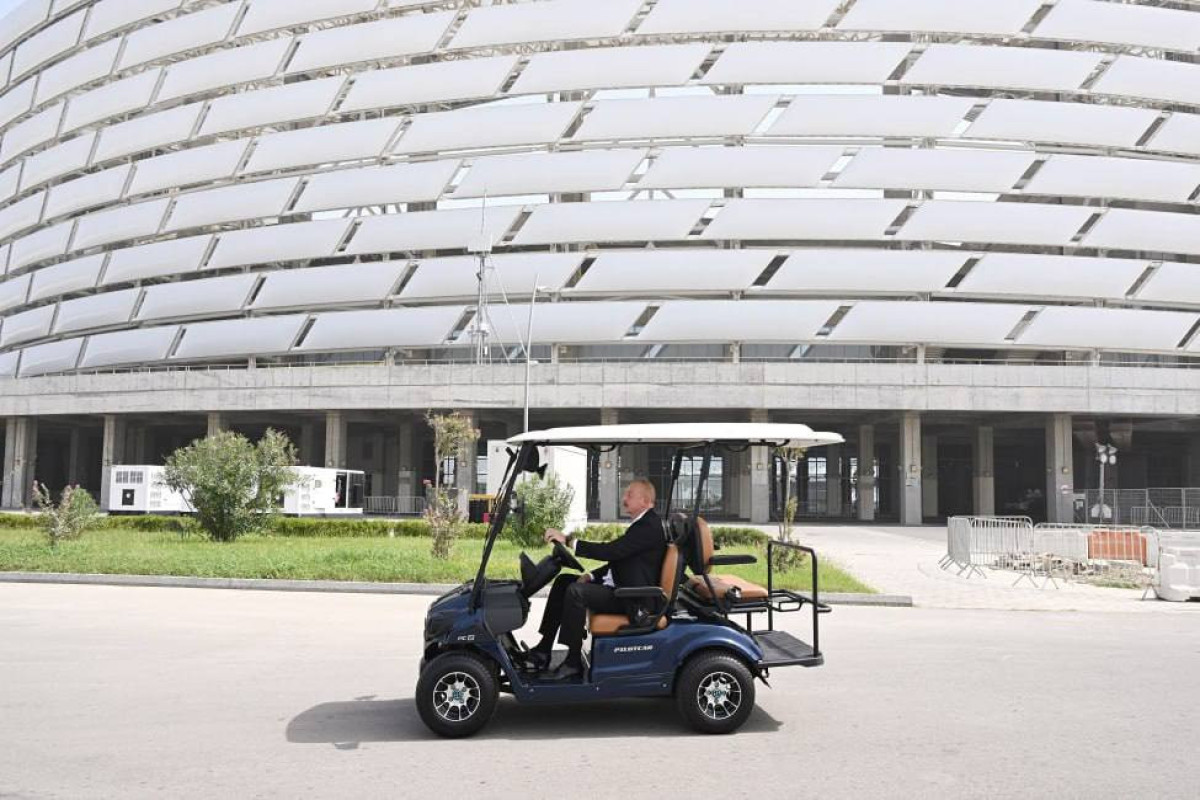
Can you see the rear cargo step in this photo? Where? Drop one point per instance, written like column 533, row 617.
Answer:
column 781, row 649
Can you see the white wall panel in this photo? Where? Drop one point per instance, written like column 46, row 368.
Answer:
column 159, row 258
column 564, row 323
column 297, row 241
column 676, row 116
column 611, row 67
column 959, row 170
column 5, row 68
column 239, row 337
column 872, row 116
column 89, row 190
column 197, row 298
column 401, row 327
column 269, row 15
column 1006, row 67
column 1125, row 229
column 144, row 133
column 495, row 126
column 807, row 62
column 805, row 219
column 513, row 275
column 69, row 276
column 108, row 15
column 431, row 230
column 40, row 245
column 631, row 221
column 16, row 101
column 1172, row 81
column 96, row 311
column 243, row 201
column 941, row 16
column 550, row 173
column 1179, row 134
column 14, row 291
column 185, row 32
column 67, row 157
column 194, row 165
column 30, row 132
column 713, row 16
column 23, row 18
column 224, row 68
column 545, row 21
column 293, row 101
column 8, row 364
column 370, row 41
column 370, row 186
column 896, row 322
column 21, row 214
column 1171, row 283
column 739, row 167
column 52, row 357
column 324, row 144
column 1118, row 23
column 1127, row 178
column 647, row 271
column 1074, row 123
column 32, row 324
column 77, row 70
column 126, row 222
column 1033, row 275
column 51, row 41
column 1007, row 223
column 866, row 271
column 319, row 286
column 128, row 347
column 738, row 321
column 438, row 82
column 1107, row 329
column 9, row 179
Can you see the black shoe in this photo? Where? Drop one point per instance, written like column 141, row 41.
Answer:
column 537, row 660
column 565, row 672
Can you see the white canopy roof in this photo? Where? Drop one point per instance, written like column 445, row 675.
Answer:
column 684, row 433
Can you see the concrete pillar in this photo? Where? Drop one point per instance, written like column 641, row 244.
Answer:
column 406, row 458
column 75, row 457
column 1193, row 461
column 760, row 476
column 335, row 440
column 1060, row 469
column 308, row 444
column 20, row 461
column 464, row 472
column 866, row 473
column 609, row 485
column 984, row 483
column 910, row 469
column 929, row 476
column 833, row 480
column 140, row 450
column 112, row 452
column 216, row 422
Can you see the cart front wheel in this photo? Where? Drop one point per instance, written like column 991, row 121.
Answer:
column 456, row 695
column 715, row 692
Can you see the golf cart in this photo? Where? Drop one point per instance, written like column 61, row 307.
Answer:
column 688, row 644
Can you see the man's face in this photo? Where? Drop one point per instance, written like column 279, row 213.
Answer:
column 634, row 500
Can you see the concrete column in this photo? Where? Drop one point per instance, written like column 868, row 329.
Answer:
column 760, row 475
column 866, row 473
column 609, row 485
column 75, row 456
column 929, row 476
column 112, row 452
column 10, row 460
column 308, row 444
column 910, row 469
column 216, row 422
column 1193, row 461
column 984, row 483
column 20, row 462
column 1060, row 469
column 406, row 458
column 335, row 440
column 464, row 472
column 833, row 480
column 140, row 435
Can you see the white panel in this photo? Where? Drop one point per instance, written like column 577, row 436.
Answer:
column 1115, row 23
column 629, row 221
column 1123, row 229
column 728, row 115
column 4, row 251
column 804, row 219
column 8, row 182
column 240, row 337
column 1153, row 78
column 720, row 16
column 961, row 170
column 940, row 16
column 872, row 116
column 611, row 68
column 267, row 106
column 195, row 165
column 352, row 283
column 144, row 133
column 545, row 21
column 635, row 272
column 298, row 241
column 401, row 327
column 739, row 167
column 126, row 222
column 1007, row 223
column 550, row 173
column 60, row 6
column 38, row 246
column 1107, row 329
column 35, row 130
column 129, row 347
column 69, row 276
column 807, row 62
column 53, row 357
column 177, row 35
column 224, row 68
column 566, row 323
column 20, row 215
column 196, row 298
column 1136, row 179
column 1031, row 275
column 1076, row 123
column 268, row 15
column 160, row 258
column 5, row 68
column 13, row 292
column 58, row 160
column 513, row 275
column 431, row 230
column 882, row 322
column 370, row 186
column 866, row 271
column 738, row 321
column 23, row 18
column 496, row 126
column 1016, row 67
column 16, row 101
column 232, row 203
column 108, row 15
column 323, row 144
column 429, row 83
column 371, row 41
column 77, row 70
column 8, row 364
column 90, row 190
column 1179, row 134
column 48, row 43
column 27, row 325
column 1171, row 283
column 97, row 311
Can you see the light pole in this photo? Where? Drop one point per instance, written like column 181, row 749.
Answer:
column 1105, row 454
column 529, row 345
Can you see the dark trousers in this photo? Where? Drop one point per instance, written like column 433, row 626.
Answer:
column 567, row 607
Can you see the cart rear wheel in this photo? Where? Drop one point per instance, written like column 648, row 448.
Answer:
column 456, row 694
column 715, row 692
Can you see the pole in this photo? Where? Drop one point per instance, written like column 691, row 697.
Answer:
column 529, row 346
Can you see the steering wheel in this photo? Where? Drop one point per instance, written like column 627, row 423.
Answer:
column 565, row 557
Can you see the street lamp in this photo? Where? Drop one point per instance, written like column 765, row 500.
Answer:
column 1105, row 454
column 529, row 343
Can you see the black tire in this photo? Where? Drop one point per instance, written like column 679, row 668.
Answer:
column 715, row 692
column 456, row 694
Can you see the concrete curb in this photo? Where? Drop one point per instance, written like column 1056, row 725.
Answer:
column 342, row 587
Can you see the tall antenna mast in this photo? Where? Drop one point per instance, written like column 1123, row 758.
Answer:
column 480, row 325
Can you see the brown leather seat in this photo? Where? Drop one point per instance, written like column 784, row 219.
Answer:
column 721, row 584
column 609, row 624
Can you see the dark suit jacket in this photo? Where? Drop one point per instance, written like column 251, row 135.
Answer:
column 635, row 558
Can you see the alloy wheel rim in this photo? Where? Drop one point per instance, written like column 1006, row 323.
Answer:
column 719, row 695
column 456, row 697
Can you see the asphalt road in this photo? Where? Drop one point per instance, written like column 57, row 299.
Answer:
column 132, row 692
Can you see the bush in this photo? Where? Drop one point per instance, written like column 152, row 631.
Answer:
column 543, row 503
column 308, row 527
column 70, row 517
column 722, row 536
column 20, row 521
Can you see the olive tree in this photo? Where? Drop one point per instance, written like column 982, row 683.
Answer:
column 67, row 519
column 453, row 436
column 786, row 558
column 543, row 503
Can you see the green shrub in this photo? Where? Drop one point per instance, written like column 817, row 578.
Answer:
column 722, row 536
column 544, row 503
column 20, row 521
column 67, row 519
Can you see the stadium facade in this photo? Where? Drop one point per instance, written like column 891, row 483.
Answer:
column 963, row 233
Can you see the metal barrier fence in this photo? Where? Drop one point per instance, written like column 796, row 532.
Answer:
column 975, row 542
column 395, row 506
column 1162, row 507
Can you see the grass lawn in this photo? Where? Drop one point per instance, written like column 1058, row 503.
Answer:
column 402, row 559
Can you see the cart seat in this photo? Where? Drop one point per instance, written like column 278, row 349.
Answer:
column 721, row 584
column 610, row 624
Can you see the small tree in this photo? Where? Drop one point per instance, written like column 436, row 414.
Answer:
column 235, row 486
column 453, row 436
column 543, row 503
column 70, row 517
column 785, row 558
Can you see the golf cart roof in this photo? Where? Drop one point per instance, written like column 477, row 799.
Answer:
column 684, row 434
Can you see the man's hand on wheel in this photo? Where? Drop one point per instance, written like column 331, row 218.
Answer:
column 585, row 578
column 551, row 536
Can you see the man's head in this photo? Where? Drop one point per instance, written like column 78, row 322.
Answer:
column 639, row 496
